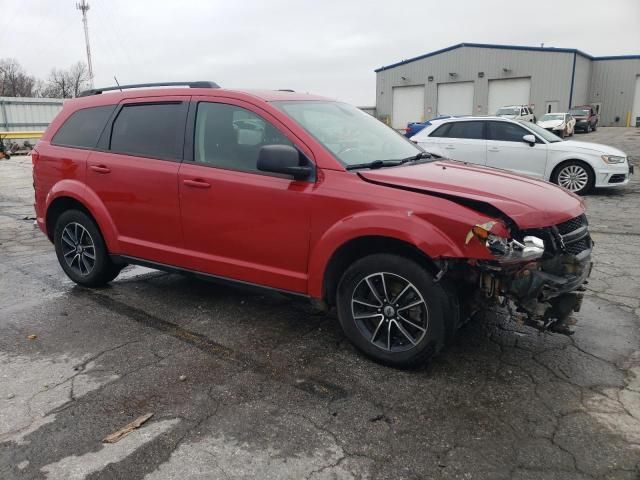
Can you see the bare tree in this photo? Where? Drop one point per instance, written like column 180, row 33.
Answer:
column 67, row 83
column 14, row 82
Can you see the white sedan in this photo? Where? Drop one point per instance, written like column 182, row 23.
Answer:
column 526, row 148
column 562, row 124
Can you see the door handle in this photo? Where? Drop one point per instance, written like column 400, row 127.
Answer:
column 494, row 149
column 100, row 169
column 450, row 147
column 197, row 183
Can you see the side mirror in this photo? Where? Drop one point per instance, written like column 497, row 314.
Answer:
column 530, row 139
column 284, row 159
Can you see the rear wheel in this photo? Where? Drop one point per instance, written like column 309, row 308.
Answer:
column 575, row 176
column 81, row 250
column 391, row 309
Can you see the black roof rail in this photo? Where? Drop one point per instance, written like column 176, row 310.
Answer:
column 285, row 90
column 198, row 84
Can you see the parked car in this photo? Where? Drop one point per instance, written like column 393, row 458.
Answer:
column 562, row 124
column 526, row 148
column 517, row 112
column 415, row 127
column 586, row 118
column 325, row 203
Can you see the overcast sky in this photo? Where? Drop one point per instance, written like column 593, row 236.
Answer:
column 328, row 47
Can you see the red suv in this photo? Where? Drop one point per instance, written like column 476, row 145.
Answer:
column 307, row 196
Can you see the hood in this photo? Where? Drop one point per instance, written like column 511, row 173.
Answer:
column 550, row 123
column 528, row 202
column 586, row 147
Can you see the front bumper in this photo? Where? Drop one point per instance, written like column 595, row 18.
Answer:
column 613, row 176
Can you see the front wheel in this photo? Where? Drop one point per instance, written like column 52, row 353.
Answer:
column 575, row 176
column 390, row 308
column 81, row 250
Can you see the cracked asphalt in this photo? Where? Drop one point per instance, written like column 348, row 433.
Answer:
column 273, row 390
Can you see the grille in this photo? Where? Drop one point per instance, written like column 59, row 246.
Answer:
column 576, row 247
column 617, row 178
column 571, row 225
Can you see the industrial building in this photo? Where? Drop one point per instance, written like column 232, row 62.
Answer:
column 476, row 79
column 27, row 114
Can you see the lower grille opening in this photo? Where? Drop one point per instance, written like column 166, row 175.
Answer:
column 617, row 178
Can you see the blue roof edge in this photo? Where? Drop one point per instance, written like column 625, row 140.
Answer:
column 506, row 47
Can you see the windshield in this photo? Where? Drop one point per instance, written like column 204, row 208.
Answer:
column 353, row 136
column 508, row 111
column 581, row 113
column 552, row 116
column 541, row 132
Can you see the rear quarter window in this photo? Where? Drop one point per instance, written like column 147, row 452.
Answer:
column 83, row 128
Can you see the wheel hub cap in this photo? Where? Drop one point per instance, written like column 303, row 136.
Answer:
column 389, row 311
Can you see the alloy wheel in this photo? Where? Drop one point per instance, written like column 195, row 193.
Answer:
column 78, row 249
column 390, row 312
column 573, row 178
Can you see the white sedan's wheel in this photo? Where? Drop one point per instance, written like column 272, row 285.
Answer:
column 575, row 177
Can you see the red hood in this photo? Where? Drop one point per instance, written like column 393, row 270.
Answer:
column 530, row 203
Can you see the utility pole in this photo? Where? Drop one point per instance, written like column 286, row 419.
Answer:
column 83, row 6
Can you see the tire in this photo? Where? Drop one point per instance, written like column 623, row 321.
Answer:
column 588, row 129
column 595, row 127
column 576, row 173
column 77, row 237
column 405, row 283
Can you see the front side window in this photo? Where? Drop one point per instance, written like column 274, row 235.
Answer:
column 149, row 130
column 351, row 135
column 441, row 131
column 230, row 137
column 468, row 130
column 506, row 132
column 83, row 128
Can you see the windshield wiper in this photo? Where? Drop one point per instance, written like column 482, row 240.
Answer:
column 388, row 163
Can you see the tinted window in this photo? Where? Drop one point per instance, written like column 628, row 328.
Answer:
column 441, row 131
column 506, row 132
column 83, row 128
column 230, row 137
column 149, row 130
column 470, row 130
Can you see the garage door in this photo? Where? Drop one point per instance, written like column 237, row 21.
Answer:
column 635, row 115
column 510, row 91
column 408, row 105
column 455, row 98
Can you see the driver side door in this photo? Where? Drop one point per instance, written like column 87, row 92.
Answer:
column 507, row 150
column 239, row 222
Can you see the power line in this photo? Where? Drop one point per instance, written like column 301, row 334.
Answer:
column 83, row 6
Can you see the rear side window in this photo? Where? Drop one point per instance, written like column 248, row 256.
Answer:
column 441, row 131
column 149, row 130
column 506, row 132
column 83, row 128
column 467, row 130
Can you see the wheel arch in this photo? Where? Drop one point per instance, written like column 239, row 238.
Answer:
column 63, row 199
column 360, row 247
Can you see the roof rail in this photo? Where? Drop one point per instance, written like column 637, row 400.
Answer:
column 285, row 90
column 198, row 84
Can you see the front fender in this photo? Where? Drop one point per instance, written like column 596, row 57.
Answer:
column 79, row 192
column 408, row 228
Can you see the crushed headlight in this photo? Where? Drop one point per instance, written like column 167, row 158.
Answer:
column 504, row 249
column 613, row 159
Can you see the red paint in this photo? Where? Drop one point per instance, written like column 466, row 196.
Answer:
column 275, row 231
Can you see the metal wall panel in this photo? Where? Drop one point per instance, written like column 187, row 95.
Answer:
column 613, row 85
column 28, row 114
column 550, row 74
column 581, row 81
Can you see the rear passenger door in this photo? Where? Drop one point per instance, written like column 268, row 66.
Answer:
column 465, row 141
column 135, row 174
column 506, row 149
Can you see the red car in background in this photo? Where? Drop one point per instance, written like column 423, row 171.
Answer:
column 586, row 118
column 310, row 197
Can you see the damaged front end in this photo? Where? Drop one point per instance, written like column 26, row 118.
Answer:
column 539, row 274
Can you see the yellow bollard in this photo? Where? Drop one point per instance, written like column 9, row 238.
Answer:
column 628, row 119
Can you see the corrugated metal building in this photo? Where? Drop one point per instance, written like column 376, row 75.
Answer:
column 27, row 114
column 476, row 79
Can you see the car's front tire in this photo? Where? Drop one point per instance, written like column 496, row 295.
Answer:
column 81, row 250
column 391, row 309
column 575, row 176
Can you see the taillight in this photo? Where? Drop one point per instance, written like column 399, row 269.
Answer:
column 35, row 156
